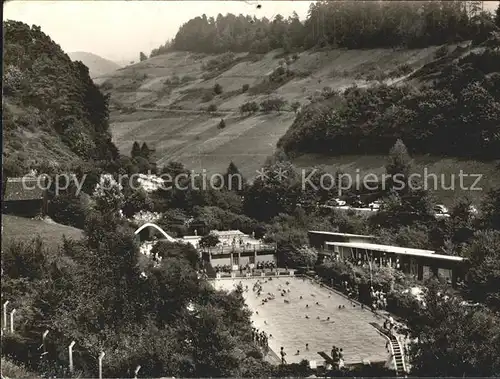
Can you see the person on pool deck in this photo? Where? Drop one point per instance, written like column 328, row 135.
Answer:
column 282, row 352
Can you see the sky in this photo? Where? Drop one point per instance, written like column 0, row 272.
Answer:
column 119, row 30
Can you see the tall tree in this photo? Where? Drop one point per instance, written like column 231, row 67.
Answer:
column 233, row 180
column 497, row 16
column 399, row 166
column 136, row 150
column 142, row 56
column 145, row 151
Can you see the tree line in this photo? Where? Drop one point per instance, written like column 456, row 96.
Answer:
column 338, row 24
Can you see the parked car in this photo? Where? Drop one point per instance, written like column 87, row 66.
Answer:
column 441, row 211
column 357, row 204
column 375, row 205
column 336, row 202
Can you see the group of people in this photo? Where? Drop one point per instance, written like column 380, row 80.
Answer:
column 223, row 268
column 261, row 339
column 227, row 269
column 376, row 262
column 379, row 299
column 266, row 265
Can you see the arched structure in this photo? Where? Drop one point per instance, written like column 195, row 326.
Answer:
column 151, row 225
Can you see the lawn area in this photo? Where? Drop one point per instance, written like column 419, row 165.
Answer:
column 348, row 328
column 20, row 228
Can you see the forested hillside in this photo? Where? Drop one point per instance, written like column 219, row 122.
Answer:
column 52, row 111
column 457, row 114
column 336, row 24
column 450, row 106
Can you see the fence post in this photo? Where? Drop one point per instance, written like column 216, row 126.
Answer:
column 12, row 320
column 137, row 371
column 44, row 335
column 70, row 352
column 101, row 356
column 5, row 314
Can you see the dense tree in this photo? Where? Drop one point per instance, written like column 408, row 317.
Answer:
column 217, row 89
column 249, row 108
column 271, row 193
column 55, row 95
column 483, row 276
column 136, row 201
column 233, row 179
column 291, row 256
column 399, row 167
column 497, row 16
column 210, row 240
column 145, row 151
column 453, row 339
column 336, row 24
column 142, row 56
column 136, row 150
column 491, row 209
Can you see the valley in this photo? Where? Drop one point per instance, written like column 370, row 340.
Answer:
column 164, row 102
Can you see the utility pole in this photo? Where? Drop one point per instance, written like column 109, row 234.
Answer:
column 137, row 371
column 5, row 314
column 44, row 335
column 12, row 320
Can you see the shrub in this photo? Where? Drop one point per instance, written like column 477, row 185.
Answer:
column 208, row 96
column 441, row 52
column 249, row 107
column 217, row 89
column 212, row 108
column 187, row 78
column 222, row 124
column 295, row 106
column 245, row 87
column 272, row 104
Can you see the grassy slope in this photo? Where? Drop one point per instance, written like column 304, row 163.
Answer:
column 192, row 137
column 20, row 228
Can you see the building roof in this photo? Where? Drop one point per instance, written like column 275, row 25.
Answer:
column 341, row 234
column 397, row 250
column 20, row 189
